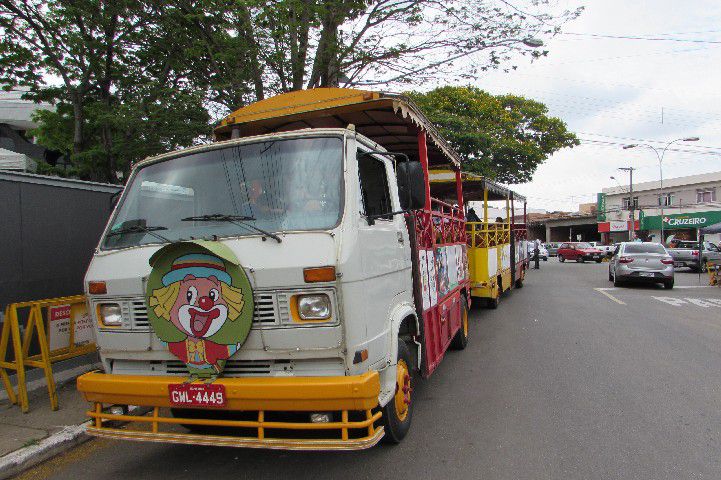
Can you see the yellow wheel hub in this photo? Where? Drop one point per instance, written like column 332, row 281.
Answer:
column 465, row 323
column 403, row 390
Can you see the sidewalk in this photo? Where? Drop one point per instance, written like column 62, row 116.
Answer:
column 30, row 438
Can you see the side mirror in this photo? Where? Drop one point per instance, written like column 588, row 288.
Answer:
column 114, row 198
column 411, row 185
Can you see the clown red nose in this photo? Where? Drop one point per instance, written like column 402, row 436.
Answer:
column 206, row 303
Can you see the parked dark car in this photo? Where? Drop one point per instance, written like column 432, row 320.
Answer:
column 579, row 251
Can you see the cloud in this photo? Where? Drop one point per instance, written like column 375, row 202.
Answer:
column 618, row 88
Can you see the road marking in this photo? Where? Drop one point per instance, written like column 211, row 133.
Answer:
column 677, row 302
column 604, row 291
column 693, row 286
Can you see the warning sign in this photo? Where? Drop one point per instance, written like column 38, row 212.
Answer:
column 59, row 326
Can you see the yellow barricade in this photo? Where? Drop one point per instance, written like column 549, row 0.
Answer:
column 63, row 317
column 714, row 274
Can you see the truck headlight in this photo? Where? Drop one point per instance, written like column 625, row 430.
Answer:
column 314, row 307
column 110, row 314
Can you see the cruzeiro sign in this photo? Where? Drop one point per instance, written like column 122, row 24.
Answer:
column 681, row 220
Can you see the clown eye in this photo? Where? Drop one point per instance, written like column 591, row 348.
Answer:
column 191, row 295
column 213, row 294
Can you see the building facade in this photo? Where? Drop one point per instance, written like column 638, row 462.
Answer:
column 684, row 205
column 18, row 152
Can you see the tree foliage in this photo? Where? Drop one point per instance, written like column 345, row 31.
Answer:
column 504, row 137
column 136, row 77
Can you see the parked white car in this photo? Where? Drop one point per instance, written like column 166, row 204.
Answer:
column 542, row 252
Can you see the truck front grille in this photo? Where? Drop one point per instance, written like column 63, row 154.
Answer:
column 270, row 309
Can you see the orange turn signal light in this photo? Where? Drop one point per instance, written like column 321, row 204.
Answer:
column 360, row 356
column 319, row 274
column 97, row 288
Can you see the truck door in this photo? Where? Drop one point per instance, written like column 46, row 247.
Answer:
column 383, row 241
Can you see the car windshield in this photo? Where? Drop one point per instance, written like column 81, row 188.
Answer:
column 644, row 248
column 276, row 186
column 583, row 245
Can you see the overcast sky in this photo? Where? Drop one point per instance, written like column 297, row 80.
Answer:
column 609, row 88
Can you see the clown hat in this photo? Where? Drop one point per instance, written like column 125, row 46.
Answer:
column 199, row 265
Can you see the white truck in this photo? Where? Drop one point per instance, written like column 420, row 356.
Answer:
column 281, row 290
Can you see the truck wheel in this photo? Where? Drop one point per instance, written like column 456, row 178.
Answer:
column 460, row 341
column 561, row 259
column 398, row 413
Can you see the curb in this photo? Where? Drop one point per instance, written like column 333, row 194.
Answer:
column 16, row 462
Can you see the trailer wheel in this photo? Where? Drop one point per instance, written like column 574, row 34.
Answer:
column 492, row 303
column 460, row 341
column 398, row 413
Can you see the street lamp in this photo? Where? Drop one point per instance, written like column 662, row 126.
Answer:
column 660, row 156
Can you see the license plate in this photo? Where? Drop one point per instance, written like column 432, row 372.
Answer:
column 677, row 264
column 197, row 395
column 645, row 274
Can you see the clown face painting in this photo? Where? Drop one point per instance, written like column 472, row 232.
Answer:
column 200, row 304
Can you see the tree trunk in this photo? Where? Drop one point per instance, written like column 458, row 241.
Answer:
column 78, row 121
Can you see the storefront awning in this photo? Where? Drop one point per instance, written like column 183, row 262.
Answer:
column 681, row 220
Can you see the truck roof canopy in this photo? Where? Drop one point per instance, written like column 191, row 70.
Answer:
column 391, row 120
column 443, row 185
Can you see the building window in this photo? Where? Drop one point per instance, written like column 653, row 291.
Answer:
column 666, row 200
column 706, row 195
column 627, row 201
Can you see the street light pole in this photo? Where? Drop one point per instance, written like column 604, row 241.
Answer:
column 631, row 205
column 659, row 157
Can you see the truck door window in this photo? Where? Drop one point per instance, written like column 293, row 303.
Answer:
column 375, row 196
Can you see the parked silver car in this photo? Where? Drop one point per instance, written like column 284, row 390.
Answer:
column 552, row 248
column 641, row 262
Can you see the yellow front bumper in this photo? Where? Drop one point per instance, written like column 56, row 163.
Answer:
column 351, row 398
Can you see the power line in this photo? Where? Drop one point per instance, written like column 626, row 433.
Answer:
column 651, row 39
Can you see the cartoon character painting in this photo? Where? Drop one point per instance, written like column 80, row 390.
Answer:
column 200, row 303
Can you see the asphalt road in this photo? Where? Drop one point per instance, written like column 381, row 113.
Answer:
column 568, row 379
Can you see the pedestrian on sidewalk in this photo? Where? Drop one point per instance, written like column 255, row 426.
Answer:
column 536, row 255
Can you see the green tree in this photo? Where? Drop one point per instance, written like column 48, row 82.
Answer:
column 121, row 90
column 248, row 49
column 503, row 137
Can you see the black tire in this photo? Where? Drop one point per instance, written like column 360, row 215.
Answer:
column 545, row 259
column 616, row 281
column 599, row 260
column 561, row 259
column 668, row 284
column 579, row 260
column 610, row 277
column 519, row 283
column 460, row 340
column 395, row 423
column 492, row 303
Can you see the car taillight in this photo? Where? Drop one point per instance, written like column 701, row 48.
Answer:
column 694, row 253
column 667, row 261
column 625, row 259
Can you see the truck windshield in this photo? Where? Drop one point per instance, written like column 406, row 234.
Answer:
column 276, row 186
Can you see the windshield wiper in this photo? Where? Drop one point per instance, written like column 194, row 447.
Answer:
column 137, row 228
column 239, row 220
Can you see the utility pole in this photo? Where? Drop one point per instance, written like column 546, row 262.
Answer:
column 631, row 205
